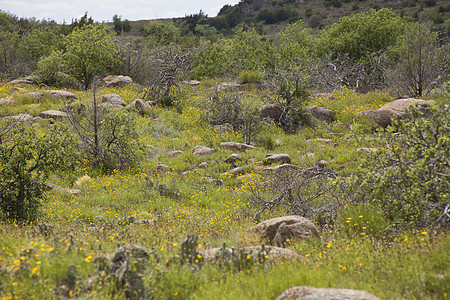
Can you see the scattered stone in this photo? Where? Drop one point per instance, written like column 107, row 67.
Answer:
column 367, row 150
column 283, row 168
column 318, row 172
column 321, row 163
column 82, row 180
column 312, row 293
column 236, row 171
column 215, row 181
column 25, row 117
column 18, row 89
column 174, row 153
column 202, row 165
column 320, row 113
column 118, row 81
column 401, row 105
column 382, row 118
column 36, row 95
column 226, row 86
column 277, row 158
column 62, row 94
column 273, row 253
column 226, row 127
column 278, row 143
column 64, row 190
column 5, row 101
column 53, row 114
column 152, row 147
column 143, row 107
column 113, row 100
column 234, row 146
column 202, row 150
column 162, row 167
column 336, row 134
column 233, row 158
column 319, row 140
column 191, row 82
column 21, row 81
column 279, row 230
column 271, row 111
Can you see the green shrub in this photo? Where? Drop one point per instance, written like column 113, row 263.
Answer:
column 27, row 157
column 250, row 77
column 408, row 180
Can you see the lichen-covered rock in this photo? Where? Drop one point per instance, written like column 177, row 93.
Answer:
column 53, row 114
column 118, row 81
column 62, row 94
column 271, row 111
column 273, row 253
column 202, row 150
column 113, row 100
column 312, row 293
column 320, row 113
column 382, row 118
column 277, row 158
column 143, row 107
column 234, row 146
column 279, row 230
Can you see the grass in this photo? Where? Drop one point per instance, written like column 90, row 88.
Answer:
column 63, row 254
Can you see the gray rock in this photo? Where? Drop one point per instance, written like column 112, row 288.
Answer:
column 202, row 150
column 226, row 86
column 18, row 89
column 382, row 118
column 215, row 181
column 367, row 150
column 62, row 94
column 277, row 158
column 320, row 113
column 271, row 111
column 21, row 118
column 118, row 81
column 312, row 293
column 273, row 253
column 64, row 190
column 283, row 168
column 143, row 107
column 279, row 230
column 113, row 100
column 321, row 163
column 21, row 81
column 174, row 153
column 36, row 95
column 5, row 101
column 234, row 146
column 233, row 158
column 190, row 82
column 319, row 140
column 53, row 114
column 401, row 105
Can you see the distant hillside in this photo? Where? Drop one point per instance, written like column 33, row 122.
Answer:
column 270, row 16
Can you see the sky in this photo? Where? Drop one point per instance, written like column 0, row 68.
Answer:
column 103, row 10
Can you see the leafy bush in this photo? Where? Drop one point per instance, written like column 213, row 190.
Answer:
column 250, row 77
column 27, row 157
column 408, row 180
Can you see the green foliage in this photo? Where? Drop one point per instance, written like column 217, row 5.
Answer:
column 250, row 77
column 408, row 181
column 296, row 46
column 27, row 157
column 361, row 34
column 90, row 51
column 161, row 33
column 121, row 27
column 107, row 137
column 246, row 50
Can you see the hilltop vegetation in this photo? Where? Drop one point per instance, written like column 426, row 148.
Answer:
column 148, row 185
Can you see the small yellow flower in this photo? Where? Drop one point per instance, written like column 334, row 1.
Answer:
column 406, row 238
column 329, row 244
column 249, row 256
column 35, row 270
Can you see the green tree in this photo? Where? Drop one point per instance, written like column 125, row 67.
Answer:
column 27, row 158
column 161, row 33
column 359, row 35
column 90, row 51
column 121, row 27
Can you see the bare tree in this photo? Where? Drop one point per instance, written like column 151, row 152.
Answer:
column 416, row 70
